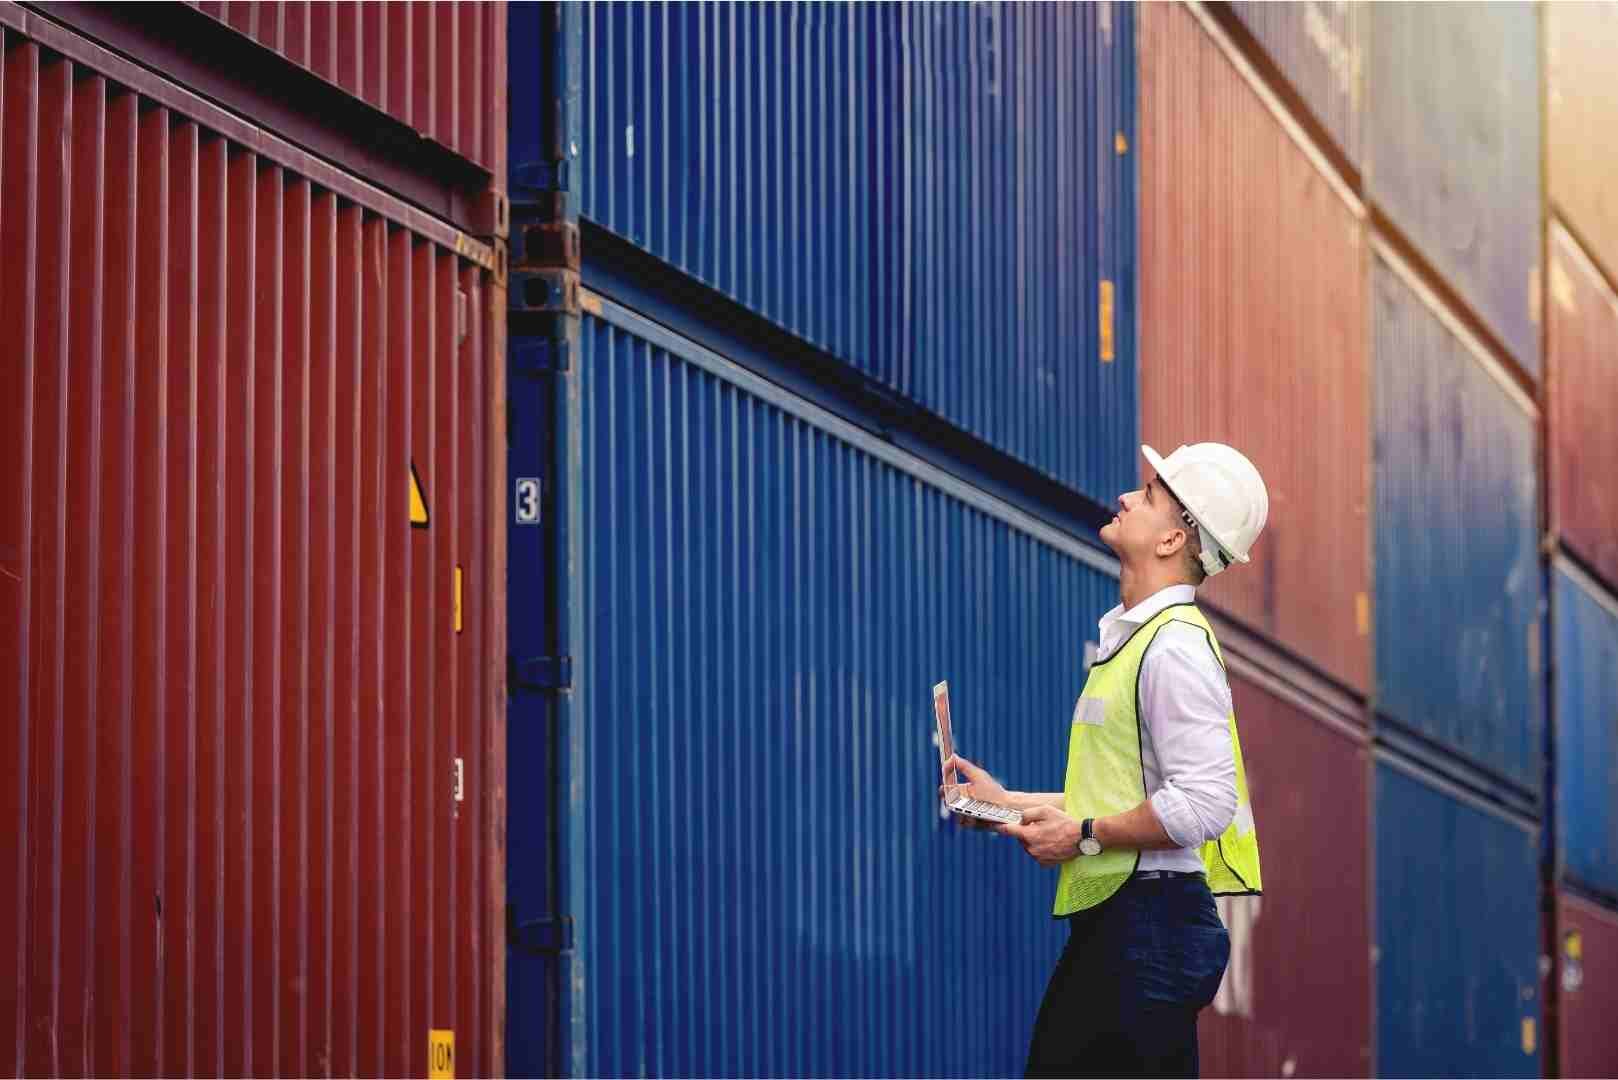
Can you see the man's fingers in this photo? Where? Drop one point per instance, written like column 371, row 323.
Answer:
column 1036, row 813
column 972, row 771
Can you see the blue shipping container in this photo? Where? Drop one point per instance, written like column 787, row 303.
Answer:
column 1457, row 920
column 761, row 596
column 1319, row 45
column 1458, row 579
column 1453, row 137
column 1585, row 662
column 942, row 196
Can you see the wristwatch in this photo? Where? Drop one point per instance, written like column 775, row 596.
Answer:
column 1088, row 844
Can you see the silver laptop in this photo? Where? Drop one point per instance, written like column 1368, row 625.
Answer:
column 954, row 799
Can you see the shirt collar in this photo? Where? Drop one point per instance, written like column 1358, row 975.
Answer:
column 1144, row 611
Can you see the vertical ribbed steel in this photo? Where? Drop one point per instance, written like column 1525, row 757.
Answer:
column 1585, row 639
column 234, row 691
column 1581, row 106
column 1458, row 579
column 939, row 195
column 1319, row 45
column 428, row 65
column 1253, row 332
column 1586, row 964
column 760, row 879
column 1308, row 777
column 1452, row 137
column 1581, row 378
column 1457, row 921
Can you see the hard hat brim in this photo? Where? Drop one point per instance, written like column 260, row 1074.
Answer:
column 1155, row 460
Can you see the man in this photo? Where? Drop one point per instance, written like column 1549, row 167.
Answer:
column 1153, row 818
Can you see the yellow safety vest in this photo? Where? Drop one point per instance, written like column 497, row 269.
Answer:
column 1105, row 777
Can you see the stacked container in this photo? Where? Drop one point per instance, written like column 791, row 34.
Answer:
column 255, row 809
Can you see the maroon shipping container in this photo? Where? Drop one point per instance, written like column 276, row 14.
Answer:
column 1587, row 987
column 1254, row 331
column 1581, row 98
column 426, row 64
column 1296, row 1000
column 253, row 813
column 1582, row 388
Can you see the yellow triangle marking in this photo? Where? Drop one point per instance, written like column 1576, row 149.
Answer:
column 418, row 502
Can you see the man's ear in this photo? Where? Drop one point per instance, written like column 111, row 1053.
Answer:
column 1175, row 540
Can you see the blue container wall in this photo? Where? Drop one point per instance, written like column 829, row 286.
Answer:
column 1457, row 918
column 934, row 194
column 760, row 878
column 1586, row 730
column 1319, row 45
column 1453, row 134
column 1458, row 579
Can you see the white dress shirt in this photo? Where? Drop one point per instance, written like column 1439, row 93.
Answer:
column 1185, row 735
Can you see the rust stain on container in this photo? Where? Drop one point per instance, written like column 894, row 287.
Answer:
column 1581, row 107
column 233, row 695
column 1586, row 970
column 426, row 64
column 1254, row 332
column 1582, row 376
column 1281, row 1011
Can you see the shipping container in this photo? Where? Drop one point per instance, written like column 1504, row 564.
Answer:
column 1585, row 732
column 941, row 196
column 1296, row 999
column 1254, row 332
column 1319, row 46
column 1587, row 987
column 1452, row 137
column 253, row 810
column 1581, row 381
column 1581, row 104
column 1458, row 579
column 758, row 597
column 1457, row 930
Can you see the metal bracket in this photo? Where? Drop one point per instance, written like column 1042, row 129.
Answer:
column 540, row 673
column 545, row 291
column 543, row 937
column 539, row 356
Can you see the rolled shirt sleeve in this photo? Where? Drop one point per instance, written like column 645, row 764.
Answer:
column 1185, row 706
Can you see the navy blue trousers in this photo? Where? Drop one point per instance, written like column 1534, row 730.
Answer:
column 1124, row 998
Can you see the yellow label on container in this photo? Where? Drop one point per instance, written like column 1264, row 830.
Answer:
column 440, row 1054
column 457, row 599
column 1528, row 1041
column 1573, row 945
column 1362, row 613
column 1120, row 144
column 1106, row 322
column 419, row 518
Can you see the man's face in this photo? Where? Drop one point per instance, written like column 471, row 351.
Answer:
column 1146, row 519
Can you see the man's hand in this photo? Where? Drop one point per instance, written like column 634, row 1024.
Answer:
column 1047, row 834
column 979, row 784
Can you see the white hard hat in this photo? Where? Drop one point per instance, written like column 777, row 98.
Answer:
column 1223, row 494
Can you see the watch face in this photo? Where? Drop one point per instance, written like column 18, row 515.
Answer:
column 1089, row 846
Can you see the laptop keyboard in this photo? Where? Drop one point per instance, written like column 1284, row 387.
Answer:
column 990, row 811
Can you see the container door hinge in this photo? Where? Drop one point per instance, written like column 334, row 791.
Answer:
column 544, row 937
column 540, row 673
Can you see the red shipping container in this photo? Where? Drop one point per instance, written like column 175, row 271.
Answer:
column 1296, row 1000
column 1587, row 987
column 244, row 688
column 1254, row 332
column 1582, row 387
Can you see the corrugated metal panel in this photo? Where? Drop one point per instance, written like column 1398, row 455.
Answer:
column 1282, row 1010
column 428, row 65
column 1458, row 579
column 1319, row 45
column 1253, row 332
column 765, row 594
column 1453, row 139
column 1457, row 918
column 940, row 195
column 1586, row 736
column 237, row 689
column 1580, row 100
column 1582, row 385
column 1587, row 967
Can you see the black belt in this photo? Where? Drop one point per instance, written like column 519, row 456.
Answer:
column 1153, row 875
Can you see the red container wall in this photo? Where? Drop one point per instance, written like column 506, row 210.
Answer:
column 236, row 677
column 1582, row 378
column 428, row 65
column 1587, row 970
column 1253, row 332
column 1296, row 1000
column 1581, row 99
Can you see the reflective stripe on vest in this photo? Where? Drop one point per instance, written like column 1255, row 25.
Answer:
column 1105, row 776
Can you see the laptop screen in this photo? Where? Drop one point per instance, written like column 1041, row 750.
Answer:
column 946, row 741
